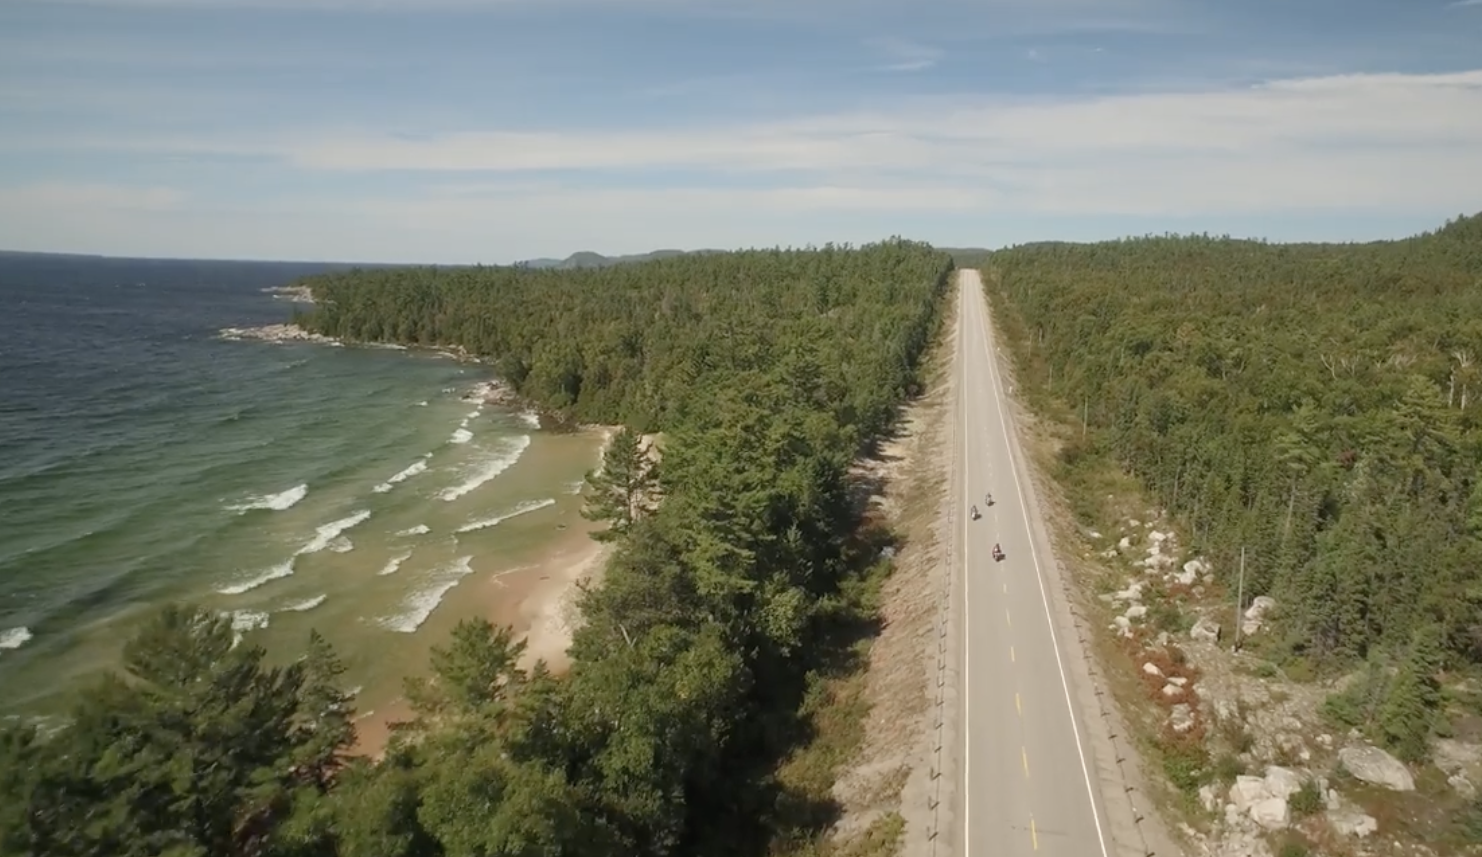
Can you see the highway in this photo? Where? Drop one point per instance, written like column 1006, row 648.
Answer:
column 1024, row 781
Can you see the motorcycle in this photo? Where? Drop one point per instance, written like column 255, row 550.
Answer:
column 988, row 500
column 975, row 514
column 997, row 553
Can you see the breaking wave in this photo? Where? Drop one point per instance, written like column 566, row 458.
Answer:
column 14, row 638
column 420, row 604
column 326, row 536
column 274, row 502
column 305, row 605
column 418, row 466
column 522, row 509
column 419, row 530
column 489, row 467
column 393, row 564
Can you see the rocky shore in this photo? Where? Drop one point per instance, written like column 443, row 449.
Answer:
column 292, row 294
column 276, row 333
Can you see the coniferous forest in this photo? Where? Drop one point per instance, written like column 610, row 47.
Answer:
column 700, row 652
column 1319, row 405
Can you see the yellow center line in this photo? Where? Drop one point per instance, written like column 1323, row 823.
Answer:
column 1005, row 588
column 1018, row 706
column 1007, row 617
column 1011, row 654
column 1024, row 754
column 1033, row 834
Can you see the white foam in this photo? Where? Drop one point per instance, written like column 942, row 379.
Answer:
column 462, row 435
column 420, row 604
column 327, row 536
column 282, row 569
column 523, row 508
column 473, row 414
column 489, row 467
column 531, row 419
column 422, row 404
column 244, row 621
column 14, row 638
column 576, row 487
column 274, row 502
column 306, row 605
column 419, row 530
column 324, row 536
column 418, row 466
column 394, row 563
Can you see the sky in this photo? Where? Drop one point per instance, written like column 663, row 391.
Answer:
column 461, row 131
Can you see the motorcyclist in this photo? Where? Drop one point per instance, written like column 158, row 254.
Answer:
column 975, row 511
column 988, row 499
column 997, row 551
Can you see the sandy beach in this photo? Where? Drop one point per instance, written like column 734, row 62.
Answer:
column 538, row 601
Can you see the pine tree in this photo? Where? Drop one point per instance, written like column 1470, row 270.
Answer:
column 1409, row 711
column 622, row 491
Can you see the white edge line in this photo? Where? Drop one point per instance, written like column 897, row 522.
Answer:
column 967, row 656
column 1039, row 574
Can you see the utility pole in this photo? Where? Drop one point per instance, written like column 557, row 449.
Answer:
column 1085, row 412
column 1239, row 597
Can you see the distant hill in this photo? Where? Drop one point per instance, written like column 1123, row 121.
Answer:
column 588, row 259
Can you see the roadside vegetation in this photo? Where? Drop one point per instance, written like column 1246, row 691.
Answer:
column 710, row 703
column 1319, row 407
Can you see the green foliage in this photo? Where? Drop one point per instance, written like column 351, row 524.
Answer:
column 203, row 750
column 1307, row 800
column 1315, row 404
column 702, row 656
column 1410, row 708
column 622, row 491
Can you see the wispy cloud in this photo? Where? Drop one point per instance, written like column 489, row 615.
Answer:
column 1466, row 3
column 905, row 55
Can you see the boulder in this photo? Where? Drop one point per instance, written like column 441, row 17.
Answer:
column 1351, row 822
column 1181, row 718
column 1282, row 782
column 1247, row 791
column 1255, row 614
column 1462, row 786
column 1271, row 813
column 1172, row 690
column 1205, row 629
column 1125, row 543
column 1373, row 765
column 1151, row 668
column 1137, row 611
column 1207, row 798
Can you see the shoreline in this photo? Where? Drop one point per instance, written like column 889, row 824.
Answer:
column 537, row 602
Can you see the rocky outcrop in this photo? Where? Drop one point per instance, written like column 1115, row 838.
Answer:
column 295, row 294
column 493, row 392
column 1256, row 614
column 276, row 333
column 1373, row 765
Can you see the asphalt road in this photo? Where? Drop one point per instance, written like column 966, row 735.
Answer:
column 1026, row 772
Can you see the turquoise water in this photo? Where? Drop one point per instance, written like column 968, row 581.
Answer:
column 143, row 458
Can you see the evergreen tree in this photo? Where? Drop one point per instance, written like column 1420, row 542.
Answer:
column 623, row 490
column 1409, row 711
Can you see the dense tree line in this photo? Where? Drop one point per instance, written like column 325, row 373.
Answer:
column 1320, row 405
column 722, row 603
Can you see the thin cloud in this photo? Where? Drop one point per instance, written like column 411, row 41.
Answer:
column 1460, row 3
column 905, row 55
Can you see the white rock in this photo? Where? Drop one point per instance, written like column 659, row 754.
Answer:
column 1373, row 765
column 1205, row 629
column 1094, row 534
column 1133, row 522
column 1351, row 822
column 1207, row 798
column 1247, row 791
column 1331, row 799
column 1109, row 553
column 1186, row 577
column 1271, row 813
column 1259, row 607
column 1325, row 741
column 1125, row 543
column 1151, row 668
column 1178, row 680
column 1282, row 782
column 1462, row 785
column 1157, row 537
column 1181, row 718
column 1137, row 611
column 1122, row 623
column 1172, row 690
